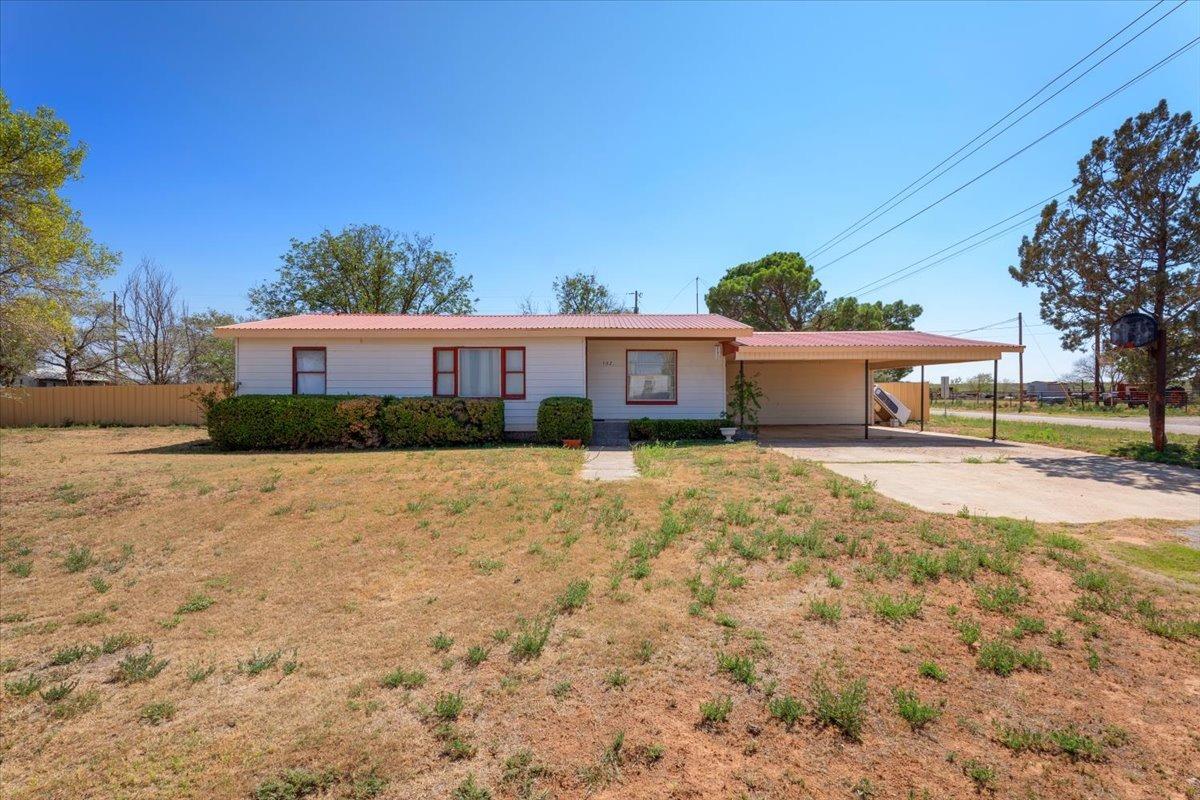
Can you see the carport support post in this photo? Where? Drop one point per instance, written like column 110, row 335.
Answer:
column 995, row 393
column 867, row 384
column 924, row 397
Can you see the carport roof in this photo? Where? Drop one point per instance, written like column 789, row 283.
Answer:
column 883, row 349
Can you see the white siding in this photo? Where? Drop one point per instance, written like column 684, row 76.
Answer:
column 404, row 368
column 701, row 389
column 808, row 392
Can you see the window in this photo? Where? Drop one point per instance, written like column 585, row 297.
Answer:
column 445, row 371
column 514, row 373
column 308, row 370
column 479, row 372
column 650, row 377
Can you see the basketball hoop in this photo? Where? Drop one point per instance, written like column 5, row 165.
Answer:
column 1133, row 330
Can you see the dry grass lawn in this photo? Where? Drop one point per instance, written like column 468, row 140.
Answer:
column 178, row 622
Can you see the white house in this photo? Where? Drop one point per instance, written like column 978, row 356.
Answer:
column 630, row 365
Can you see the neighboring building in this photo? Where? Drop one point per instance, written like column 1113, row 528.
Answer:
column 630, row 365
column 1043, row 390
column 44, row 379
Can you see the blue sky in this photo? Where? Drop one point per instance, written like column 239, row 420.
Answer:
column 649, row 143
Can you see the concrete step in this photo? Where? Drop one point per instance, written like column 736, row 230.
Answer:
column 610, row 433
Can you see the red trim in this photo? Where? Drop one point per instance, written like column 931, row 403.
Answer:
column 629, row 402
column 505, row 372
column 453, row 370
column 295, row 372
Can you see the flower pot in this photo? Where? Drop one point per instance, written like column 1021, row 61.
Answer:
column 573, row 444
column 728, row 433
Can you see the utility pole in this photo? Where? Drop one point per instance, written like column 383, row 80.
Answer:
column 115, row 365
column 697, row 294
column 1020, row 366
column 636, row 294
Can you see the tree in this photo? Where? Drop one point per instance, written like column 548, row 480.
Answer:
column 47, row 257
column 84, row 349
column 775, row 293
column 778, row 292
column 156, row 344
column 1138, row 203
column 848, row 314
column 582, row 293
column 211, row 360
column 1080, row 285
column 365, row 269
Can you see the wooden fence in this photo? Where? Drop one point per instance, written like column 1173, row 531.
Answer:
column 913, row 394
column 131, row 404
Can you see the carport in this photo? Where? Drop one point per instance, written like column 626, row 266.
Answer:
column 824, row 377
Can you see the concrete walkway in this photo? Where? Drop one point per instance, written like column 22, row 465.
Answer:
column 609, row 463
column 943, row 473
column 1174, row 424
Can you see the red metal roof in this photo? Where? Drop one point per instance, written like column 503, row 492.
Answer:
column 495, row 322
column 860, row 339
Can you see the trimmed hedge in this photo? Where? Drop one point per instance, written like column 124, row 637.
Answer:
column 675, row 430
column 436, row 421
column 561, row 418
column 292, row 422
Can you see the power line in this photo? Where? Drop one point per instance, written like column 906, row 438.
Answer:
column 667, row 307
column 1026, row 210
column 854, row 227
column 897, row 199
column 986, row 327
column 953, row 255
column 1005, row 160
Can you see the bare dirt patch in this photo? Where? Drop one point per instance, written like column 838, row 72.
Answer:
column 320, row 613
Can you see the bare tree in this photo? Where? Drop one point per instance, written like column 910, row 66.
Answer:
column 157, row 345
column 82, row 350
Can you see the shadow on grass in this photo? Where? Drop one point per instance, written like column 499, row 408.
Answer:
column 1176, row 454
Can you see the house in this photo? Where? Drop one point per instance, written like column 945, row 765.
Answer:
column 631, row 365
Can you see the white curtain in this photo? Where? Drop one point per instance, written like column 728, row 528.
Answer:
column 479, row 372
column 651, row 375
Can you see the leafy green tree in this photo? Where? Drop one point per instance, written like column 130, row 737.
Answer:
column 365, row 269
column 1138, row 198
column 47, row 257
column 778, row 292
column 582, row 293
column 848, row 314
column 212, row 359
column 1079, row 286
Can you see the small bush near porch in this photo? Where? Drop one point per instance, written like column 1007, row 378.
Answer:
column 676, row 430
column 560, row 418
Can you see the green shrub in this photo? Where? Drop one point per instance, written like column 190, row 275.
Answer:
column 276, row 422
column 716, row 710
column 561, row 418
column 914, row 712
column 440, row 421
column 676, row 430
column 360, row 415
column 291, row 422
column 786, row 709
column 844, row 709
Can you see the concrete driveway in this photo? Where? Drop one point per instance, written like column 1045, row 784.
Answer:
column 942, row 473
